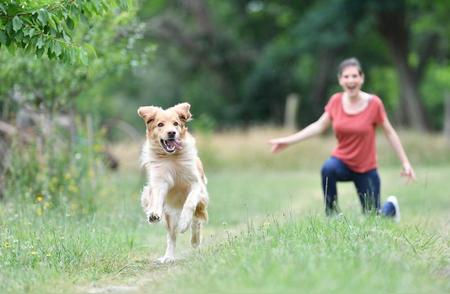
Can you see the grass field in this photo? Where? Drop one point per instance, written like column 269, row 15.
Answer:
column 267, row 232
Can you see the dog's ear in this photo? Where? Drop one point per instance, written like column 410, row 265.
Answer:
column 183, row 111
column 148, row 113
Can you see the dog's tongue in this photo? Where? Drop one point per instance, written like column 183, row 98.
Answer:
column 174, row 144
column 177, row 144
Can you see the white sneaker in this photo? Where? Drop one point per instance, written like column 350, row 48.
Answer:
column 394, row 202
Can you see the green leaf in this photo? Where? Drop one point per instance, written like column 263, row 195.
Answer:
column 26, row 31
column 9, row 28
column 66, row 37
column 32, row 42
column 57, row 49
column 17, row 23
column 83, row 57
column 22, row 44
column 40, row 43
column 90, row 50
column 65, row 56
column 40, row 52
column 123, row 4
column 43, row 16
column 51, row 46
column 105, row 6
column 96, row 6
column 18, row 37
column 50, row 54
column 52, row 23
column 70, row 23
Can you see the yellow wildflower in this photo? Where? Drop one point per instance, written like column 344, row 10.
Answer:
column 39, row 197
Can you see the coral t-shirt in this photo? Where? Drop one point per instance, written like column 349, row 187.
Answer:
column 355, row 133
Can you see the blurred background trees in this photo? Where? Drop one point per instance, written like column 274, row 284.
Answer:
column 235, row 61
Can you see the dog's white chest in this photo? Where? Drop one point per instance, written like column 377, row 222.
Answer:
column 173, row 173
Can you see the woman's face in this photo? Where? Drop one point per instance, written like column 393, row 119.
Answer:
column 351, row 80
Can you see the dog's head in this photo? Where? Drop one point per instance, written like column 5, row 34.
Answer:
column 166, row 128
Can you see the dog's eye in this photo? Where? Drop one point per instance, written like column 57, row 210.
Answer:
column 160, row 125
column 175, row 124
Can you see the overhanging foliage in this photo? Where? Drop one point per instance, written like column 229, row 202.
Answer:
column 44, row 27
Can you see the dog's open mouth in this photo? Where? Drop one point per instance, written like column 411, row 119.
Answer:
column 171, row 145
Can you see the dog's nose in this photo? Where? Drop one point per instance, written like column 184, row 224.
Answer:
column 171, row 135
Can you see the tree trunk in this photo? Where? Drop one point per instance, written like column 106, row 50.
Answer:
column 319, row 88
column 414, row 113
column 393, row 28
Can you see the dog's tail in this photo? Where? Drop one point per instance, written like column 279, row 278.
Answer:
column 201, row 212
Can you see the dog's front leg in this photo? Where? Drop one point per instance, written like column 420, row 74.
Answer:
column 158, row 193
column 189, row 207
column 171, row 222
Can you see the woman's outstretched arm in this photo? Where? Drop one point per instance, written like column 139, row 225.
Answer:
column 311, row 130
column 395, row 142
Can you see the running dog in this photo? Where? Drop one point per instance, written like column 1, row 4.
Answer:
column 176, row 189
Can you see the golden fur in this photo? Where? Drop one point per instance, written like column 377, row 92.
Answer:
column 176, row 189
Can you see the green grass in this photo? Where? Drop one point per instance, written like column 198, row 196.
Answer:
column 60, row 246
column 254, row 241
column 303, row 250
column 319, row 255
column 267, row 233
column 67, row 249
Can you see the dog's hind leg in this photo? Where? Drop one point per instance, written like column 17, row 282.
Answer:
column 196, row 232
column 171, row 225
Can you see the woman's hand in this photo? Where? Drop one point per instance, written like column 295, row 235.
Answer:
column 311, row 130
column 408, row 172
column 278, row 145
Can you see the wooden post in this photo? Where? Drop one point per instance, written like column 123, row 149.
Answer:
column 447, row 116
column 290, row 112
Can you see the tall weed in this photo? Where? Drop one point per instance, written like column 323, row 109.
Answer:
column 56, row 171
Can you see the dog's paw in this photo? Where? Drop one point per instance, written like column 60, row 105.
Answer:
column 166, row 259
column 184, row 223
column 153, row 217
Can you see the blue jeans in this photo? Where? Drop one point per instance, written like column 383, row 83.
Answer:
column 367, row 185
